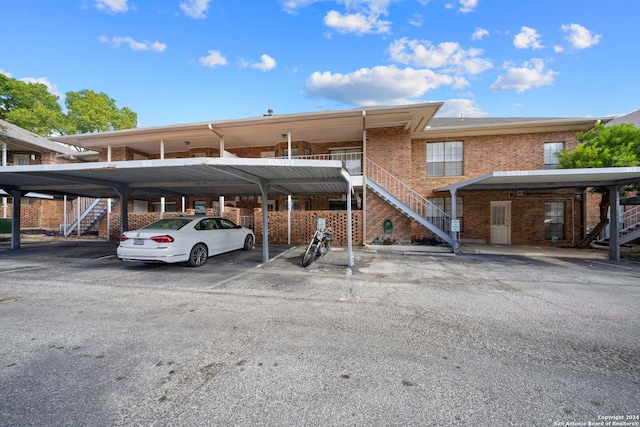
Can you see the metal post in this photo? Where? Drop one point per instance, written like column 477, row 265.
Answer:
column 455, row 247
column 364, row 177
column 15, row 218
column 349, row 231
column 614, row 223
column 265, row 224
column 289, row 196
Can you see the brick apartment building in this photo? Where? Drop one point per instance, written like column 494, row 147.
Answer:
column 395, row 156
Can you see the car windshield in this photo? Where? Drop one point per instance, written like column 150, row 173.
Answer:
column 168, row 224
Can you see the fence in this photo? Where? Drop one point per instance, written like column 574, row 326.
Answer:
column 303, row 224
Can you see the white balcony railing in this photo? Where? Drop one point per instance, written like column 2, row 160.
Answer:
column 351, row 161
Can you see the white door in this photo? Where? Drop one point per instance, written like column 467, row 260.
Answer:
column 501, row 223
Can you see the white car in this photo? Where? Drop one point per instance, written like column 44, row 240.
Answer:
column 190, row 239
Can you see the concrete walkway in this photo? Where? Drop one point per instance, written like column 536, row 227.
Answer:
column 507, row 250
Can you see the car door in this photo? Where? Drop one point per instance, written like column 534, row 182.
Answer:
column 209, row 232
column 232, row 235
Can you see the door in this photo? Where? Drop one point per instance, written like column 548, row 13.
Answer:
column 501, row 223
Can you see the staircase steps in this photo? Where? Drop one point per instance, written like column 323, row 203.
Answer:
column 409, row 202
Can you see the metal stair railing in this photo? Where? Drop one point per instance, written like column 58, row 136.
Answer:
column 91, row 211
column 629, row 228
column 409, row 197
column 630, row 220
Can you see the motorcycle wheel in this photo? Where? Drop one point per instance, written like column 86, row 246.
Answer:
column 310, row 255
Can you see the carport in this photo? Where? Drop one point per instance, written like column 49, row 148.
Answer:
column 181, row 178
column 613, row 178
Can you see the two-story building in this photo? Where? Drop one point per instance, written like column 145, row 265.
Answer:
column 414, row 178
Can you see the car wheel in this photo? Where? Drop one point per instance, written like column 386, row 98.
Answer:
column 198, row 255
column 248, row 242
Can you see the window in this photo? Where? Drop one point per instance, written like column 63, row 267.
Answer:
column 200, row 207
column 554, row 220
column 20, row 160
column 550, row 150
column 157, row 207
column 444, row 158
column 444, row 203
column 294, row 152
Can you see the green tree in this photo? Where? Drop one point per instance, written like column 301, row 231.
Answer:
column 602, row 147
column 89, row 112
column 32, row 107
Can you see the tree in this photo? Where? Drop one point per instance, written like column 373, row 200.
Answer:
column 90, row 112
column 602, row 147
column 32, row 107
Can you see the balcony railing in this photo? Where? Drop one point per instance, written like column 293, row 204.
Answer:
column 351, row 161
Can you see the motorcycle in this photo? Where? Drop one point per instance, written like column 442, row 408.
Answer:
column 319, row 246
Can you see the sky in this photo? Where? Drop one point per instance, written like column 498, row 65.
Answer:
column 187, row 61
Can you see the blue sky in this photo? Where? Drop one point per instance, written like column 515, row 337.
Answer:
column 183, row 61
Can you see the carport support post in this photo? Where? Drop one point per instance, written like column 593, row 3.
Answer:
column 455, row 247
column 124, row 192
column 265, row 223
column 349, row 231
column 614, row 223
column 15, row 218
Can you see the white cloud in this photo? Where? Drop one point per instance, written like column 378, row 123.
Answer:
column 580, row 37
column 558, row 49
column 266, row 63
column 468, row 5
column 528, row 38
column 356, row 23
column 479, row 34
column 359, row 16
column 461, row 108
column 416, row 20
column 449, row 56
column 292, row 6
column 532, row 74
column 133, row 44
column 112, row 6
column 51, row 88
column 377, row 85
column 195, row 8
column 213, row 59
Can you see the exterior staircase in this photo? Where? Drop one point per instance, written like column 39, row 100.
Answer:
column 409, row 202
column 629, row 226
column 91, row 212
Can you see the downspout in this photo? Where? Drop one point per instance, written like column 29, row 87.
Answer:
column 364, row 177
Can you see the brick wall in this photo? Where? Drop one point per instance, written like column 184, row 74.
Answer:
column 303, row 225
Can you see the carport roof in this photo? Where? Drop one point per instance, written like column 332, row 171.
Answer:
column 17, row 138
column 181, row 177
column 549, row 179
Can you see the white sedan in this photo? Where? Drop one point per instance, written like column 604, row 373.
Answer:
column 190, row 239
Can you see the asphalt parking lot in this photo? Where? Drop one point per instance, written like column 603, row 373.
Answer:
column 400, row 339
